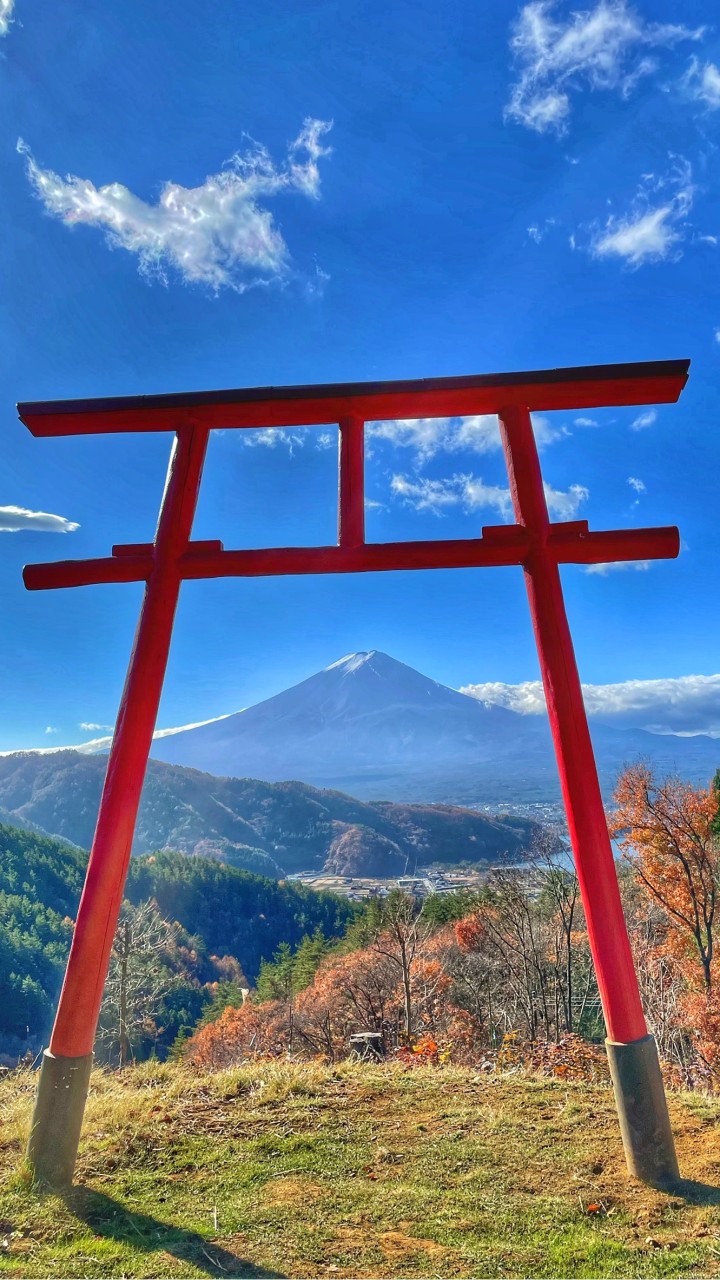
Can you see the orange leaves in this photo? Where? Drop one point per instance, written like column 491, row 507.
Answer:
column 470, row 933
column 425, row 1050
column 668, row 830
column 251, row 1031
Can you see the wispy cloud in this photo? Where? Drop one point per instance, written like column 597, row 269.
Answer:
column 471, row 493
column 538, row 230
column 284, row 437
column 6, row 9
column 684, row 704
column 586, row 422
column 218, row 234
column 89, row 727
column 607, row 47
column 95, row 745
column 465, row 491
column 637, row 485
column 478, row 433
column 272, row 438
column 617, row 566
column 565, row 505
column 701, row 83
column 655, row 225
column 644, row 420
column 19, row 519
column 51, row 729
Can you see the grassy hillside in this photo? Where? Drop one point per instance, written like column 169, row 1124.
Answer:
column 288, row 1170
column 268, row 828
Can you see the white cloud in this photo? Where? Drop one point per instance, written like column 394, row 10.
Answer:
column 217, row 234
column 271, row 437
column 617, row 566
column 19, row 519
column 478, row 433
column 637, row 485
column 471, row 493
column 565, row 506
column 701, row 82
column 644, row 420
column 51, row 729
column 90, row 727
column 465, row 491
column 600, row 48
column 683, row 704
column 717, row 335
column 586, row 422
column 538, row 231
column 655, row 224
column 6, row 8
column 95, row 745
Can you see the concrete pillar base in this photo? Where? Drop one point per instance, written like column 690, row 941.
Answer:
column 642, row 1109
column 57, row 1118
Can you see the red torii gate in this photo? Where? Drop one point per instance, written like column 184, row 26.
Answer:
column 533, row 542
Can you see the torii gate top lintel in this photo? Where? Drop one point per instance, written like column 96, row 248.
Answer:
column 583, row 387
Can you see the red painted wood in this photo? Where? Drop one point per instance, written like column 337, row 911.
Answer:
column 653, row 382
column 74, row 1031
column 532, row 542
column 146, row 548
column 351, row 482
column 86, row 573
column 607, row 932
column 613, row 544
column 501, row 545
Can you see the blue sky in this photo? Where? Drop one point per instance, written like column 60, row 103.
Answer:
column 214, row 197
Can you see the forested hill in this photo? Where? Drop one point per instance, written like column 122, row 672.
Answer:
column 231, row 920
column 270, row 828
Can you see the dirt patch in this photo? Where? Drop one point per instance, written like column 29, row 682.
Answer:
column 292, row 1191
column 394, row 1244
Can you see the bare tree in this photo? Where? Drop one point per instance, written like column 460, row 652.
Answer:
column 402, row 932
column 138, row 978
column 560, row 891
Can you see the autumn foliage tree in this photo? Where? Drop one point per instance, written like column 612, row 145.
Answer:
column 668, row 829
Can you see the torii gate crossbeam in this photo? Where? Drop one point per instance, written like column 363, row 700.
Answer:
column 533, row 542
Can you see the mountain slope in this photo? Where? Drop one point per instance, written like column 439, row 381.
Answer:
column 373, row 726
column 264, row 827
column 226, row 913
column 366, row 713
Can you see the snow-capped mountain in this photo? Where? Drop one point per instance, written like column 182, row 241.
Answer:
column 373, row 726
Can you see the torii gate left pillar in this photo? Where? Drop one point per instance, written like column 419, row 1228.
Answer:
column 533, row 542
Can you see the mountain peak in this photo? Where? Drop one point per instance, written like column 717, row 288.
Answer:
column 353, row 661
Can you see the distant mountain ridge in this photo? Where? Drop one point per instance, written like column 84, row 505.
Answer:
column 267, row 828
column 377, row 728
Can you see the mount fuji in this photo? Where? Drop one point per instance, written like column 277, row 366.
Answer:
column 372, row 726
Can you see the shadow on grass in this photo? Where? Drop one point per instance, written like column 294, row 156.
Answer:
column 111, row 1220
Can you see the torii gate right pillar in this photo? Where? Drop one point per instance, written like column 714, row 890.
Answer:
column 634, row 1066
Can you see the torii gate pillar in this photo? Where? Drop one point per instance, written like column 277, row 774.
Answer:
column 532, row 542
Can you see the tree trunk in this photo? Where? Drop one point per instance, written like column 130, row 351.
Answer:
column 123, row 1037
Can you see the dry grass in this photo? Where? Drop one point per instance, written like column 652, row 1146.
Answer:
column 301, row 1170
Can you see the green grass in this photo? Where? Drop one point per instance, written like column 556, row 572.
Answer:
column 301, row 1170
